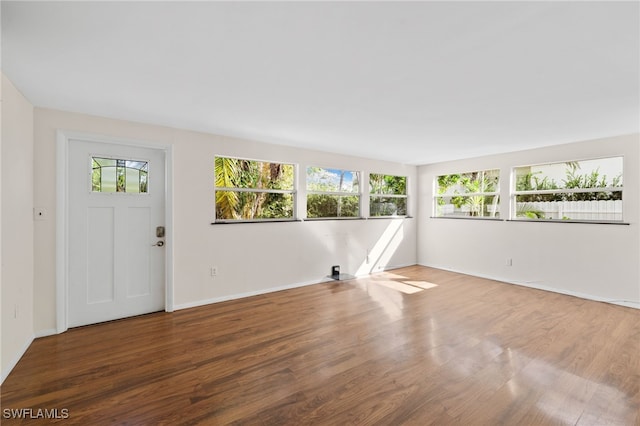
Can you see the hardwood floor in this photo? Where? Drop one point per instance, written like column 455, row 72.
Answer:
column 467, row 351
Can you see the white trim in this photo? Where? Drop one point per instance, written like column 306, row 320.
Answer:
column 626, row 303
column 45, row 333
column 531, row 284
column 168, row 218
column 14, row 362
column 569, row 190
column 62, row 179
column 259, row 190
column 386, row 268
column 248, row 294
column 372, row 195
column 322, row 280
column 62, row 270
column 472, row 194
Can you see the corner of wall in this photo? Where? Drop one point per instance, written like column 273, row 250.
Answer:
column 574, row 259
column 16, row 226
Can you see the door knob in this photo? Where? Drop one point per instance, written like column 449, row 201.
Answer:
column 159, row 244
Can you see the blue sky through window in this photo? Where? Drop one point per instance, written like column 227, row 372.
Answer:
column 334, row 180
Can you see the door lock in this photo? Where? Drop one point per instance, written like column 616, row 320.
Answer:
column 160, row 231
column 159, row 244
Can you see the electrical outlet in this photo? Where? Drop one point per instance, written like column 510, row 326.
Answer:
column 214, row 271
column 509, row 262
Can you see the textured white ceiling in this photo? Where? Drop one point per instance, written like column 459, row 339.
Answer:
column 413, row 82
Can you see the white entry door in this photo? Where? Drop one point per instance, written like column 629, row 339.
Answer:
column 116, row 253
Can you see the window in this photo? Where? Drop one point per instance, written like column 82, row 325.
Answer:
column 472, row 194
column 253, row 190
column 332, row 193
column 387, row 195
column 113, row 175
column 588, row 190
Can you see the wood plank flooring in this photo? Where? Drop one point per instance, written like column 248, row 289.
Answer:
column 389, row 349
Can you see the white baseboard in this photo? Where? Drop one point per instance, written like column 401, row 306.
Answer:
column 386, row 268
column 53, row 331
column 269, row 290
column 247, row 294
column 625, row 303
column 14, row 362
column 45, row 333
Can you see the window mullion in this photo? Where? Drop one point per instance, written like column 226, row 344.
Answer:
column 260, row 190
column 569, row 190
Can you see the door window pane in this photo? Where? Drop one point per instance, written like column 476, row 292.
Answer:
column 132, row 180
column 117, row 175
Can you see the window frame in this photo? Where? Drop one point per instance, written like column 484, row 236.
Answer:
column 380, row 195
column 513, row 207
column 495, row 193
column 293, row 192
column 339, row 194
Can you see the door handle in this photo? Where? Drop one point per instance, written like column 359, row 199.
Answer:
column 159, row 244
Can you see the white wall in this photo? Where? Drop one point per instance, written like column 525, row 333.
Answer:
column 251, row 258
column 17, row 225
column 590, row 260
column 2, row 367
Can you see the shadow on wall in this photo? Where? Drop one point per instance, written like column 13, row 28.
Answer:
column 383, row 250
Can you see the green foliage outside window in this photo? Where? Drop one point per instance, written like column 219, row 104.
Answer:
column 380, row 184
column 527, row 180
column 575, row 190
column 319, row 205
column 332, row 193
column 115, row 175
column 472, row 194
column 248, row 189
column 388, row 195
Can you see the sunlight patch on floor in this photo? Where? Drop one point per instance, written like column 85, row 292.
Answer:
column 422, row 284
column 395, row 285
column 389, row 276
column 407, row 287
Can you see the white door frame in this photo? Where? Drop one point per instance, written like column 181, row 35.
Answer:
column 62, row 211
